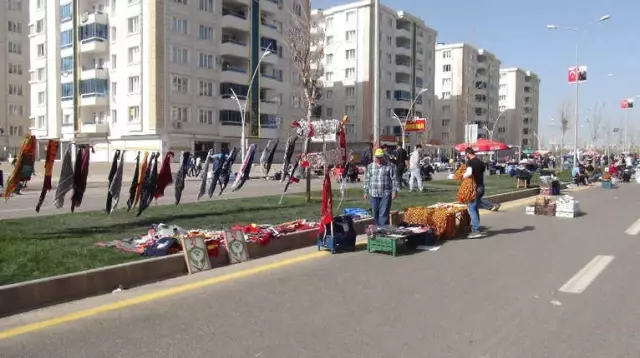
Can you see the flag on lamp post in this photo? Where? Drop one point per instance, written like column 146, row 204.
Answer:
column 626, row 103
column 577, row 74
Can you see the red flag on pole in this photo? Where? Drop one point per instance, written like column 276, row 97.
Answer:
column 327, row 202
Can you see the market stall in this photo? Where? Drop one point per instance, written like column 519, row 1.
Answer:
column 565, row 206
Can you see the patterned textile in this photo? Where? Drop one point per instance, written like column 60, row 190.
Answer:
column 225, row 173
column 133, row 189
column 65, row 183
column 181, row 175
column 445, row 220
column 112, row 174
column 52, row 152
column 149, row 184
column 246, row 168
column 467, row 190
column 380, row 180
column 116, row 184
column 23, row 168
column 80, row 175
column 288, row 154
column 144, row 168
column 263, row 156
column 267, row 168
column 205, row 174
column 165, row 177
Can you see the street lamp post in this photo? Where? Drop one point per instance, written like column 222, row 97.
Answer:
column 402, row 123
column 577, row 104
column 243, row 106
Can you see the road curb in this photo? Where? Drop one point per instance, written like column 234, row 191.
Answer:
column 29, row 295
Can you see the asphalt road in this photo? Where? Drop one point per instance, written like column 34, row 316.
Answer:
column 498, row 297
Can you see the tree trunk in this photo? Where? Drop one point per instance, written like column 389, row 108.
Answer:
column 307, row 172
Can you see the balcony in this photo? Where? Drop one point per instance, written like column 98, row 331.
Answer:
column 93, row 37
column 235, row 18
column 268, row 106
column 270, row 77
column 234, row 44
column 270, row 27
column 94, row 16
column 273, row 6
column 234, row 69
column 94, row 45
column 94, row 100
column 93, row 72
column 403, row 82
column 403, row 26
column 95, row 128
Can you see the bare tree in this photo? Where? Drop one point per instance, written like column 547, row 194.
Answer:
column 595, row 123
column 305, row 40
column 564, row 113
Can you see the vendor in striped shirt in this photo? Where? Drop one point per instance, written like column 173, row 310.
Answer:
column 380, row 187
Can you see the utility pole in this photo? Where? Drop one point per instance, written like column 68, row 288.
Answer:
column 376, row 71
column 76, row 68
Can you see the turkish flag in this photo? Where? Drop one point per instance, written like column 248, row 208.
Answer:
column 326, row 208
column 573, row 75
column 624, row 104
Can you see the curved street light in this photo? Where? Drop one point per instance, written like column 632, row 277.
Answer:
column 577, row 104
column 403, row 122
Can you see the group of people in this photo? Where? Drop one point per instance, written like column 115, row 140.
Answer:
column 383, row 183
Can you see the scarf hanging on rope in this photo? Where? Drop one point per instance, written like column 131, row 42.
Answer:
column 216, row 169
column 181, row 175
column 23, row 168
column 225, row 173
column 144, row 168
column 112, row 174
column 205, row 174
column 134, row 184
column 65, row 183
column 165, row 177
column 116, row 185
column 52, row 153
column 80, row 175
column 267, row 169
column 149, row 185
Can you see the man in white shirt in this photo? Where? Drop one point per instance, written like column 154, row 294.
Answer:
column 414, row 168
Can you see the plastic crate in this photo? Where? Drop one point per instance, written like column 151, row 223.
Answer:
column 384, row 244
column 607, row 185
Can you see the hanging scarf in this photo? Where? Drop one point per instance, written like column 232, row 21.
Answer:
column 52, row 152
column 205, row 174
column 165, row 177
column 342, row 142
column 143, row 170
column 65, row 183
column 263, row 157
column 225, row 173
column 112, row 174
column 181, row 176
column 216, row 169
column 149, row 184
column 288, row 154
column 134, row 184
column 23, row 168
column 244, row 172
column 326, row 206
column 116, row 184
column 80, row 175
column 270, row 158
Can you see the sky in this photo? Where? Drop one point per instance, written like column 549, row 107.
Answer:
column 516, row 32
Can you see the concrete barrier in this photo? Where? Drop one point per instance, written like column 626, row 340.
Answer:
column 24, row 296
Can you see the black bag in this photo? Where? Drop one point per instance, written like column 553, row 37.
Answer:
column 344, row 233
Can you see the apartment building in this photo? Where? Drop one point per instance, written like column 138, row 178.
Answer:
column 14, row 76
column 466, row 89
column 159, row 75
column 519, row 102
column 406, row 68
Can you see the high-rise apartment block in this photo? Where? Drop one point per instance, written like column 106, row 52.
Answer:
column 159, row 75
column 466, row 87
column 406, row 67
column 519, row 101
column 14, row 75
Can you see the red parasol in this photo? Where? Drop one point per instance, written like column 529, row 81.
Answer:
column 482, row 145
column 327, row 202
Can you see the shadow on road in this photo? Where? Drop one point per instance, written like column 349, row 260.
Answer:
column 509, row 231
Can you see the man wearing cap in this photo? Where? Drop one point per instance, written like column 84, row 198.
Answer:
column 475, row 170
column 380, row 187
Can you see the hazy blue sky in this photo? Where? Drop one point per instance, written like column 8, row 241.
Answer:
column 516, row 32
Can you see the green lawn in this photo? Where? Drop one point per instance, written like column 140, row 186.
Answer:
column 44, row 246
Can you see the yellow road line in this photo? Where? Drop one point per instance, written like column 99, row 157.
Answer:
column 37, row 326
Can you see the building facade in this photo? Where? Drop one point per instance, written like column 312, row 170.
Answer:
column 160, row 75
column 14, row 76
column 466, row 89
column 406, row 68
column 519, row 102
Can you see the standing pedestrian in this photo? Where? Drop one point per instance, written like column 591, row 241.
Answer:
column 414, row 168
column 475, row 170
column 380, row 187
column 401, row 163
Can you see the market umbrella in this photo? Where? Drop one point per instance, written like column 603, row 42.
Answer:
column 225, row 173
column 134, row 184
column 326, row 206
column 245, row 169
column 205, row 175
column 149, row 184
column 482, row 145
column 270, row 158
column 65, row 183
column 116, row 185
column 264, row 156
column 165, row 177
column 181, row 176
column 80, row 175
column 112, row 174
column 52, row 152
column 23, row 169
column 288, row 154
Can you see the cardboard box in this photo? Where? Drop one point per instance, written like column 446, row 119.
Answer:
column 567, row 214
column 530, row 210
column 569, row 207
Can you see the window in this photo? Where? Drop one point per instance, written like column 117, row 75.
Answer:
column 503, row 97
column 389, row 58
column 15, row 69
column 114, row 90
column 329, row 22
column 350, row 54
column 114, row 116
column 183, row 2
column 179, row 56
column 446, row 109
column 41, row 98
column 205, row 60
column 66, row 12
column 114, row 33
column 446, row 54
column 206, row 89
column 350, row 128
column 446, row 68
column 16, row 110
column 329, row 58
column 350, row 73
column 502, row 130
column 180, row 84
column 133, row 25
column 350, row 92
column 205, row 116
column 389, row 41
column 134, row 84
column 179, row 26
column 114, row 61
column 350, row 35
column 329, row 94
column 205, row 33
column 329, row 112
column 133, row 55
column 350, row 110
column 446, row 122
column 14, row 26
column 134, row 114
column 446, row 95
column 351, row 16
column 66, row 39
column 205, row 5
column 16, row 48
column 328, row 76
column 180, row 114
column 15, row 90
column 16, row 5
column 329, row 40
column 446, row 82
column 42, row 122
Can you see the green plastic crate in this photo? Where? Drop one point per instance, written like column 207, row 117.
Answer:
column 385, row 244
